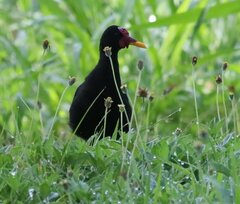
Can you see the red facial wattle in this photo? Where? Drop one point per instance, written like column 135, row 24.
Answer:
column 126, row 40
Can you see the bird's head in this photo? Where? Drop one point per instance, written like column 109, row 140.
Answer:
column 117, row 38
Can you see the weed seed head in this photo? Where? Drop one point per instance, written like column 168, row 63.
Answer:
column 108, row 102
column 142, row 92
column 124, row 88
column 231, row 96
column 199, row 146
column 225, row 66
column 177, row 132
column 203, row 135
column 194, row 60
column 121, row 108
column 65, row 183
column 218, row 79
column 71, row 80
column 108, row 51
column 231, row 89
column 140, row 65
column 151, row 97
column 46, row 44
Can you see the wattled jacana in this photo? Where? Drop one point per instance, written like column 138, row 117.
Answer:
column 87, row 109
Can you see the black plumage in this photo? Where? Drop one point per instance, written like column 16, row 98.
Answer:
column 87, row 109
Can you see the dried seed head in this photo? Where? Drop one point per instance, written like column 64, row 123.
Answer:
column 108, row 51
column 231, row 96
column 39, row 105
column 46, row 44
column 121, row 107
column 203, row 135
column 194, row 60
column 231, row 89
column 219, row 79
column 71, row 80
column 199, row 146
column 65, row 183
column 225, row 66
column 177, row 132
column 124, row 88
column 140, row 65
column 151, row 97
column 108, row 102
column 142, row 92
column 69, row 172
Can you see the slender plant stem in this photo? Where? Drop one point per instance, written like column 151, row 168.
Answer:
column 218, row 110
column 105, row 122
column 234, row 116
column 56, row 112
column 237, row 117
column 137, row 125
column 132, row 153
column 88, row 110
column 224, row 104
column 131, row 122
column 115, row 82
column 123, row 154
column 147, row 120
column 135, row 99
column 217, row 104
column 195, row 100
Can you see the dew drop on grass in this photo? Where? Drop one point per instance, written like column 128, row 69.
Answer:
column 113, row 181
column 106, row 192
column 13, row 172
column 154, row 157
column 152, row 18
column 31, row 193
column 119, row 202
column 182, row 163
column 52, row 197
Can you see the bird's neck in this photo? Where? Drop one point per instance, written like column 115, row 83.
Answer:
column 107, row 68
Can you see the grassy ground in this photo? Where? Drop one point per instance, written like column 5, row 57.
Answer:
column 185, row 145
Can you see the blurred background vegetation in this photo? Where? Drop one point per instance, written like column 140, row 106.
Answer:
column 33, row 83
column 173, row 30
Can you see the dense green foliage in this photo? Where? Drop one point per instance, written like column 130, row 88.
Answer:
column 185, row 147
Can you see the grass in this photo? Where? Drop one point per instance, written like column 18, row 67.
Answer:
column 167, row 158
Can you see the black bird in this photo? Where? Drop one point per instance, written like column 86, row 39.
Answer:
column 87, row 109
